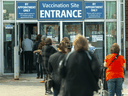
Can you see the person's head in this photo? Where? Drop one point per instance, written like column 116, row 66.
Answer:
column 48, row 41
column 62, row 47
column 38, row 37
column 44, row 37
column 41, row 44
column 80, row 43
column 66, row 40
column 115, row 48
column 69, row 46
column 26, row 36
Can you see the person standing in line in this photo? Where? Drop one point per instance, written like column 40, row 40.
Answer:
column 35, row 47
column 114, row 71
column 80, row 77
column 39, row 58
column 53, row 65
column 27, row 45
column 68, row 43
column 47, row 51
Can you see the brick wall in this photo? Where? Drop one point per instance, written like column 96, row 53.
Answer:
column 126, row 29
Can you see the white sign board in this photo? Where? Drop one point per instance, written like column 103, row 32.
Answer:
column 72, row 37
column 49, row 37
column 94, row 38
column 99, row 37
column 8, row 37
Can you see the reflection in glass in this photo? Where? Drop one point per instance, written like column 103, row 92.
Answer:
column 122, row 38
column 111, row 35
column 9, row 43
column 8, row 10
column 111, row 12
column 121, row 12
column 71, row 29
column 94, row 33
column 51, row 30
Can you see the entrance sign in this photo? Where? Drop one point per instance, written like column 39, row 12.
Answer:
column 27, row 10
column 94, row 10
column 60, row 10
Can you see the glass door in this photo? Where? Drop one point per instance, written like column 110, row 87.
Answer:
column 31, row 30
column 9, row 43
column 51, row 30
column 70, row 29
column 94, row 32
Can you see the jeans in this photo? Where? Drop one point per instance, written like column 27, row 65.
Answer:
column 39, row 70
column 56, row 92
column 115, row 86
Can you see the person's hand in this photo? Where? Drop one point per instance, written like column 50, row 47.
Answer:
column 34, row 52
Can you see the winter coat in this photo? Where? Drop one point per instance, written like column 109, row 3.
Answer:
column 79, row 80
column 35, row 47
column 53, row 68
column 47, row 51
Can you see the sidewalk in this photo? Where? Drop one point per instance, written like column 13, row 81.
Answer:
column 28, row 85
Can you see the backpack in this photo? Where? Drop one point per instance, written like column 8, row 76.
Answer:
column 62, row 66
column 95, row 69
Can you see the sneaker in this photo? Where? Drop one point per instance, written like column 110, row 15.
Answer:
column 50, row 92
column 41, row 77
column 46, row 92
column 42, row 81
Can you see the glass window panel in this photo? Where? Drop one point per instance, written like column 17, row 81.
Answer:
column 51, row 30
column 111, row 12
column 8, row 10
column 111, row 35
column 122, row 38
column 9, row 43
column 121, row 0
column 94, row 32
column 121, row 12
column 71, row 29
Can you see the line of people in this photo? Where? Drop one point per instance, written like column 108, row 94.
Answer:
column 81, row 69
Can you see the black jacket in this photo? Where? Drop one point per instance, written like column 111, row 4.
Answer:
column 35, row 47
column 53, row 68
column 47, row 51
column 79, row 80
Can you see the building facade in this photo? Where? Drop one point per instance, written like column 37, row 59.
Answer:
column 101, row 21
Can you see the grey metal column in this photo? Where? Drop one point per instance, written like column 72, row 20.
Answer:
column 16, row 59
column 1, row 68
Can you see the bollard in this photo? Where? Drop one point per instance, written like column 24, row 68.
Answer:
column 16, row 63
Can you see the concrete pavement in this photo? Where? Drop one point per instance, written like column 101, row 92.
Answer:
column 28, row 85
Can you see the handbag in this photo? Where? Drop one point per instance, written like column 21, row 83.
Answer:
column 39, row 58
column 94, row 65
